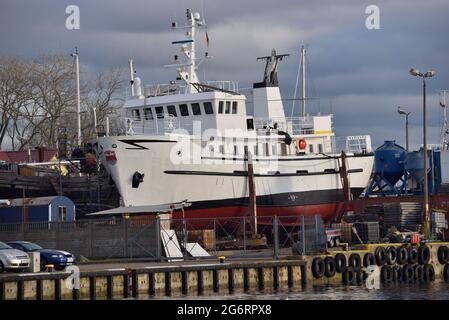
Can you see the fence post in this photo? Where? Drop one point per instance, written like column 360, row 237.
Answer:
column 303, row 235
column 317, row 237
column 244, row 233
column 158, row 238
column 91, row 238
column 125, row 236
column 276, row 236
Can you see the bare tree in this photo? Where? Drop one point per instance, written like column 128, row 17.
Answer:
column 13, row 91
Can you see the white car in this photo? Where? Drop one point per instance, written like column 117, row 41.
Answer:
column 12, row 259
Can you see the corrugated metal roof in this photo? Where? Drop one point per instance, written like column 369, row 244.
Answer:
column 17, row 157
column 40, row 201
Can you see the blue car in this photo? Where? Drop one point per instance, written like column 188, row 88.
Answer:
column 60, row 259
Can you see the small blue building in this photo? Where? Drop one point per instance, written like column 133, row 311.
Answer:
column 42, row 209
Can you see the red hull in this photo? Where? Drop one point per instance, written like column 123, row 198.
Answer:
column 204, row 218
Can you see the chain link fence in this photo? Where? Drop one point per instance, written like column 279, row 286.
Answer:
column 159, row 239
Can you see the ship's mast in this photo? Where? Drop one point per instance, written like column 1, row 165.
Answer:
column 303, row 80
column 445, row 125
column 187, row 67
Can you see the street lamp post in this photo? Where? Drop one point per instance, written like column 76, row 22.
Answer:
column 426, row 223
column 402, row 112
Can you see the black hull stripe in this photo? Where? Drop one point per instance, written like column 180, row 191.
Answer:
column 280, row 200
column 245, row 173
column 284, row 158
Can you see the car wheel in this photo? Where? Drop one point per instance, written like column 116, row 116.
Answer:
column 43, row 264
column 59, row 268
column 2, row 267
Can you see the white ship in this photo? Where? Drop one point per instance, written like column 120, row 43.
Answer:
column 192, row 141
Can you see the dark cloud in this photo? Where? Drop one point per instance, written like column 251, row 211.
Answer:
column 362, row 74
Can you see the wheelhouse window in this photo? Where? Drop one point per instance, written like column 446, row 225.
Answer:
column 136, row 114
column 234, row 107
column 62, row 214
column 196, row 110
column 148, row 114
column 160, row 112
column 311, row 148
column 228, row 107
column 184, row 110
column 320, row 148
column 172, row 111
column 208, row 108
column 220, row 106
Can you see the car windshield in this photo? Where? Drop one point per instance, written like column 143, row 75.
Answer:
column 4, row 246
column 31, row 247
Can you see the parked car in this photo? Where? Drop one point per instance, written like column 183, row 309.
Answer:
column 12, row 259
column 60, row 259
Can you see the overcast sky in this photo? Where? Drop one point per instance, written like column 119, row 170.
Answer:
column 361, row 75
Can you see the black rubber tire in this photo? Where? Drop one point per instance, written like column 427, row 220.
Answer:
column 318, row 267
column 446, row 273
column 402, row 255
column 348, row 276
column 43, row 264
column 330, row 267
column 397, row 274
column 408, row 273
column 391, row 256
column 412, row 255
column 369, row 259
column 340, row 262
column 380, row 255
column 355, row 262
column 386, row 274
column 443, row 254
column 423, row 255
column 429, row 273
column 419, row 272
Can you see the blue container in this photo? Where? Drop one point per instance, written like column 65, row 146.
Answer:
column 414, row 164
column 389, row 161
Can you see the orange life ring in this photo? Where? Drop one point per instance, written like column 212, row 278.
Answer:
column 302, row 144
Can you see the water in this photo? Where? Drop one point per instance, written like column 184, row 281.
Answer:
column 419, row 291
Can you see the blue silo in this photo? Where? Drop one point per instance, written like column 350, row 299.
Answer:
column 414, row 165
column 389, row 161
column 388, row 169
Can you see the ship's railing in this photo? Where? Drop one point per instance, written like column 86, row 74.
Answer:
column 293, row 126
column 160, row 125
column 224, row 85
column 353, row 144
column 157, row 90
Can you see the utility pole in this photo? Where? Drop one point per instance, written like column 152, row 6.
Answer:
column 427, row 220
column 78, row 103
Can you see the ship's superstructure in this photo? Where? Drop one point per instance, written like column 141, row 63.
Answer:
column 191, row 140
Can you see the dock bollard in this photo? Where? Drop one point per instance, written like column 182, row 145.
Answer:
column 245, row 279
column 261, row 277
column 184, row 283
column 20, row 290
column 200, row 285
column 134, row 284
column 39, row 289
column 167, row 283
column 231, row 280
column 215, row 280
column 109, row 287
column 92, row 288
column 151, row 285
